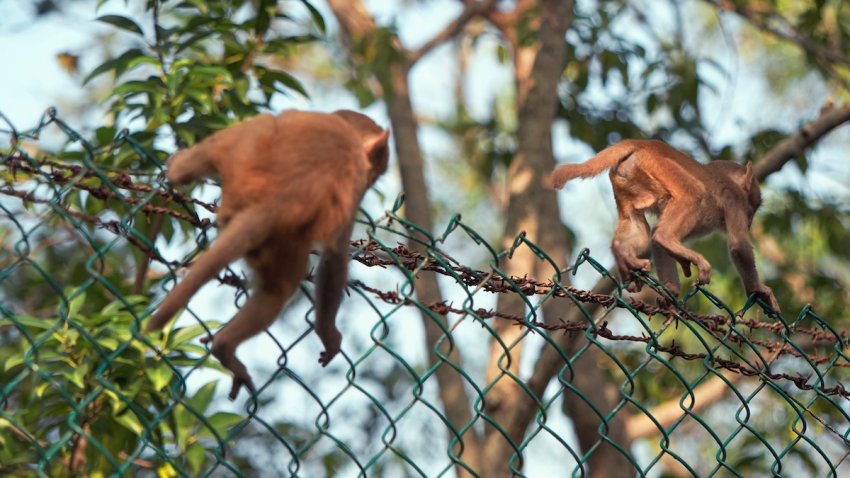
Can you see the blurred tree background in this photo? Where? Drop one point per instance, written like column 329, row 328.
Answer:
column 484, row 98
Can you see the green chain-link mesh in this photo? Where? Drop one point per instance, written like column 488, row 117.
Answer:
column 85, row 393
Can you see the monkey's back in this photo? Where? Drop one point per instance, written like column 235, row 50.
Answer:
column 655, row 173
column 307, row 169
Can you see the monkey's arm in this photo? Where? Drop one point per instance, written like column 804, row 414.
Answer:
column 331, row 278
column 190, row 164
column 741, row 253
column 233, row 242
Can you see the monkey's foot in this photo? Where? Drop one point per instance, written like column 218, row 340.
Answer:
column 331, row 339
column 765, row 293
column 663, row 302
column 635, row 285
column 704, row 273
column 636, row 264
column 228, row 360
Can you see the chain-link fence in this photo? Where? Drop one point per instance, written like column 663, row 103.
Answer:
column 91, row 233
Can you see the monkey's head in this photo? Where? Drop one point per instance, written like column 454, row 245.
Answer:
column 744, row 178
column 375, row 140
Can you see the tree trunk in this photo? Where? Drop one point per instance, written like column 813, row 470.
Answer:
column 533, row 208
column 358, row 25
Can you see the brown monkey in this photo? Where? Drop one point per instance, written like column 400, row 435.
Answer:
column 690, row 199
column 288, row 182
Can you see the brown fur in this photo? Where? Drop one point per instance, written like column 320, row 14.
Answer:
column 288, row 182
column 690, row 199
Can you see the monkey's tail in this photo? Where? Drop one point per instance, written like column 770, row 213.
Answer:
column 240, row 236
column 606, row 159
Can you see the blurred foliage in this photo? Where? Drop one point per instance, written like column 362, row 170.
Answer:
column 206, row 68
column 197, row 67
column 95, row 364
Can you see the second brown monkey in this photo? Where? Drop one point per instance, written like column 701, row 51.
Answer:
column 690, row 199
column 288, row 182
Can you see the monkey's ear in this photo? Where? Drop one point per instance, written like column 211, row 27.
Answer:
column 751, row 187
column 377, row 142
column 749, row 173
column 378, row 151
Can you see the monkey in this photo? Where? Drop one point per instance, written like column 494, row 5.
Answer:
column 288, row 182
column 690, row 199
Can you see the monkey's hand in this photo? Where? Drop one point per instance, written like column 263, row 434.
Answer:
column 227, row 357
column 765, row 293
column 331, row 339
column 703, row 272
column 637, row 265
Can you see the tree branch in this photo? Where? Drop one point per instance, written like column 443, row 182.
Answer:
column 794, row 146
column 639, row 425
column 820, row 52
column 472, row 10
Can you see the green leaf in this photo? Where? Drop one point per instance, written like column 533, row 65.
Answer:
column 41, row 389
column 78, row 376
column 218, row 73
column 123, row 23
column 502, row 54
column 13, row 361
column 202, row 398
column 186, row 334
column 129, row 420
column 129, row 89
column 285, row 79
column 195, row 455
column 159, row 375
column 109, row 343
column 263, row 19
column 317, row 16
column 104, row 134
column 118, row 64
column 75, row 304
column 34, row 322
column 221, row 421
column 652, row 103
column 117, row 306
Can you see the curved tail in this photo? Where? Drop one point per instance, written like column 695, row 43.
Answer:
column 240, row 236
column 606, row 159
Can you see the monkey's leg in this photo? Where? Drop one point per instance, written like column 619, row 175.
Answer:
column 232, row 243
column 629, row 246
column 330, row 283
column 674, row 224
column 256, row 314
column 279, row 272
column 741, row 252
column 666, row 268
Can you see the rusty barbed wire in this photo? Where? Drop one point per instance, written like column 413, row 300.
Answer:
column 371, row 254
